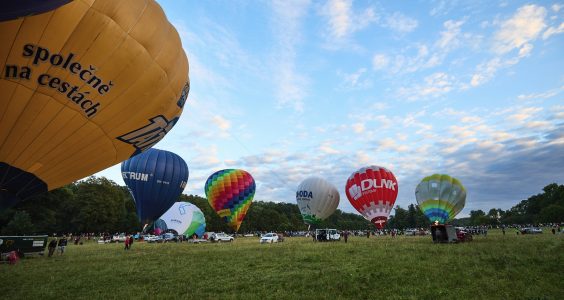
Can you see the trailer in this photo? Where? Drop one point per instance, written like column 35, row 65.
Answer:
column 327, row 235
column 28, row 245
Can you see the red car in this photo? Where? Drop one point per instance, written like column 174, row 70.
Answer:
column 463, row 236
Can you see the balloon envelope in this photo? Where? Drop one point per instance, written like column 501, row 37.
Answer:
column 317, row 199
column 10, row 10
column 230, row 193
column 155, row 178
column 440, row 197
column 372, row 191
column 184, row 218
column 83, row 87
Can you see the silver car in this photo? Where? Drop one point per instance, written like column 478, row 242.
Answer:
column 221, row 237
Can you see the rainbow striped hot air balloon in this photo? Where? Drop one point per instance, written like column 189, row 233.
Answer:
column 440, row 197
column 230, row 193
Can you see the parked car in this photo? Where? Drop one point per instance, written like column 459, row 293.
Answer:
column 169, row 237
column 220, row 237
column 118, row 238
column 269, row 238
column 152, row 239
column 463, row 235
column 531, row 230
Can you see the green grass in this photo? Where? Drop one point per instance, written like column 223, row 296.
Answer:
column 492, row 267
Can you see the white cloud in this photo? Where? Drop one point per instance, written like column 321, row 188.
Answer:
column 380, row 61
column 486, row 71
column 434, row 85
column 500, row 136
column 343, row 21
column 521, row 29
column 443, row 7
column 290, row 85
column 462, row 132
column 556, row 7
column 558, row 112
column 525, row 50
column 450, row 36
column 543, row 95
column 221, row 122
column 391, row 145
column 552, row 31
column 378, row 106
column 339, row 13
column 354, row 81
column 471, row 119
column 363, row 158
column 524, row 113
column 328, row 149
column 448, row 111
column 538, row 125
column 400, row 23
column 207, row 157
column 358, row 127
column 424, row 56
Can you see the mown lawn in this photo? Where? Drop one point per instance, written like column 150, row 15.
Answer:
column 492, row 267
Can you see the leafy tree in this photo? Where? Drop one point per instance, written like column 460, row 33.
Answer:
column 552, row 214
column 19, row 225
column 101, row 206
column 399, row 219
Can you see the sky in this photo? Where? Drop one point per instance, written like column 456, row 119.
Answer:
column 292, row 89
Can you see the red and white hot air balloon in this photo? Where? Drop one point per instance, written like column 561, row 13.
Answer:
column 373, row 191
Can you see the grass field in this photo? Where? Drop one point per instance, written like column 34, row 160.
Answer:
column 492, row 267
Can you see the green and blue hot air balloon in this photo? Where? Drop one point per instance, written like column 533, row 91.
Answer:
column 440, row 197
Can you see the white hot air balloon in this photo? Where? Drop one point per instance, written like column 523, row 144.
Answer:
column 317, row 199
column 183, row 217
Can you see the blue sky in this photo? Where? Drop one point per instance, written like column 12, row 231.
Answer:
column 291, row 89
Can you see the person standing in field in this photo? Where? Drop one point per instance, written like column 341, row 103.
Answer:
column 503, row 230
column 130, row 242
column 346, row 235
column 62, row 245
column 52, row 246
column 126, row 243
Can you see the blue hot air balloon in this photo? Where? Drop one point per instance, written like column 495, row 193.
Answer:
column 155, row 179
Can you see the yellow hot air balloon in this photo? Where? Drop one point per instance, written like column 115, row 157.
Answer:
column 83, row 87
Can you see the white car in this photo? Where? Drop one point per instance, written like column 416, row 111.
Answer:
column 220, row 237
column 269, row 238
column 152, row 239
column 119, row 238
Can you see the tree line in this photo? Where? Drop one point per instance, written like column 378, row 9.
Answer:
column 98, row 204
column 546, row 207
